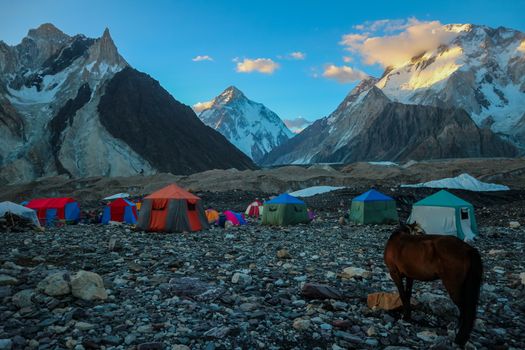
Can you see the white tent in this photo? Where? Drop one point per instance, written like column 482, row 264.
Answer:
column 10, row 207
column 116, row 196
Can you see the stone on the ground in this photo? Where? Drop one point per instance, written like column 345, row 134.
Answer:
column 6, row 344
column 88, row 285
column 56, row 284
column 241, row 278
column 514, row 224
column 320, row 291
column 6, row 280
column 301, row 324
column 194, row 288
column 428, row 336
column 351, row 272
column 283, row 254
column 151, row 346
column 23, row 298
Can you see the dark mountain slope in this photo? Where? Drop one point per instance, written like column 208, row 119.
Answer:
column 165, row 132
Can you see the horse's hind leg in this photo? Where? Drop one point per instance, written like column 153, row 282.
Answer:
column 453, row 288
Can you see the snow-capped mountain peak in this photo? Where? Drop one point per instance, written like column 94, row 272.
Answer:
column 230, row 94
column 479, row 69
column 249, row 125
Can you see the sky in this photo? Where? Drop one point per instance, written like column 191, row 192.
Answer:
column 299, row 58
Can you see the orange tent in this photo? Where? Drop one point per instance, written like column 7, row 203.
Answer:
column 172, row 209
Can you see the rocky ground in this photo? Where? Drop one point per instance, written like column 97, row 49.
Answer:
column 238, row 288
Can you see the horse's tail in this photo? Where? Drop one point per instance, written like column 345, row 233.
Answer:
column 470, row 297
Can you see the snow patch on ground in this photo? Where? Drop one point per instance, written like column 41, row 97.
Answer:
column 312, row 191
column 462, row 182
column 384, row 163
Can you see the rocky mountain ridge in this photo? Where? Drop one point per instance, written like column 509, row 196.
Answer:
column 51, row 88
column 464, row 99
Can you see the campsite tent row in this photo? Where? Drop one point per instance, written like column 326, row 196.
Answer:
column 172, row 209
column 440, row 213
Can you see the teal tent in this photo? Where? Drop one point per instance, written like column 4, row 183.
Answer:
column 444, row 213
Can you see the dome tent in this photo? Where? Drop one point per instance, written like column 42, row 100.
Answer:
column 172, row 209
column 373, row 207
column 284, row 210
column 120, row 210
column 254, row 209
column 444, row 213
column 13, row 208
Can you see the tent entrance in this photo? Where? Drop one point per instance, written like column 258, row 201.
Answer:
column 466, row 223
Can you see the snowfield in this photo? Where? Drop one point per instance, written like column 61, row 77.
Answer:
column 462, row 182
column 314, row 190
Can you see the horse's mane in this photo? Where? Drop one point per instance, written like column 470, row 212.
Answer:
column 402, row 228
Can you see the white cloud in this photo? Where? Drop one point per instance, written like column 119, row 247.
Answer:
column 200, row 58
column 261, row 65
column 413, row 38
column 298, row 55
column 347, row 59
column 343, row 74
column 200, row 106
column 296, row 125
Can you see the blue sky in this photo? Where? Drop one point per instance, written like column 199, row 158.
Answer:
column 162, row 37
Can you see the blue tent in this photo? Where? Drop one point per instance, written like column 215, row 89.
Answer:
column 284, row 198
column 372, row 196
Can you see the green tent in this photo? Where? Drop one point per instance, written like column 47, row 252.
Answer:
column 443, row 213
column 284, row 210
column 373, row 207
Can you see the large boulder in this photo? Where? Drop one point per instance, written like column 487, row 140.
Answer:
column 55, row 284
column 88, row 286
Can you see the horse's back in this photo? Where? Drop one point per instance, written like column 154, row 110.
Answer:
column 427, row 257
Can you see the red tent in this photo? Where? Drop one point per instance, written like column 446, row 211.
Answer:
column 49, row 209
column 120, row 210
column 254, row 209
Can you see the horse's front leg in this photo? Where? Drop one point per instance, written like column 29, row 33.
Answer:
column 408, row 297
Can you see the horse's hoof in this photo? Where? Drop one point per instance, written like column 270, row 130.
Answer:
column 460, row 342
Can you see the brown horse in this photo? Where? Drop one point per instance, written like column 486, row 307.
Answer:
column 412, row 256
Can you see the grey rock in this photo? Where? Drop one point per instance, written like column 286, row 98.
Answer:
column 56, row 284
column 88, row 285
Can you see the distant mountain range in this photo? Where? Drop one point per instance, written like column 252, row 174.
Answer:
column 250, row 126
column 72, row 105
column 464, row 99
